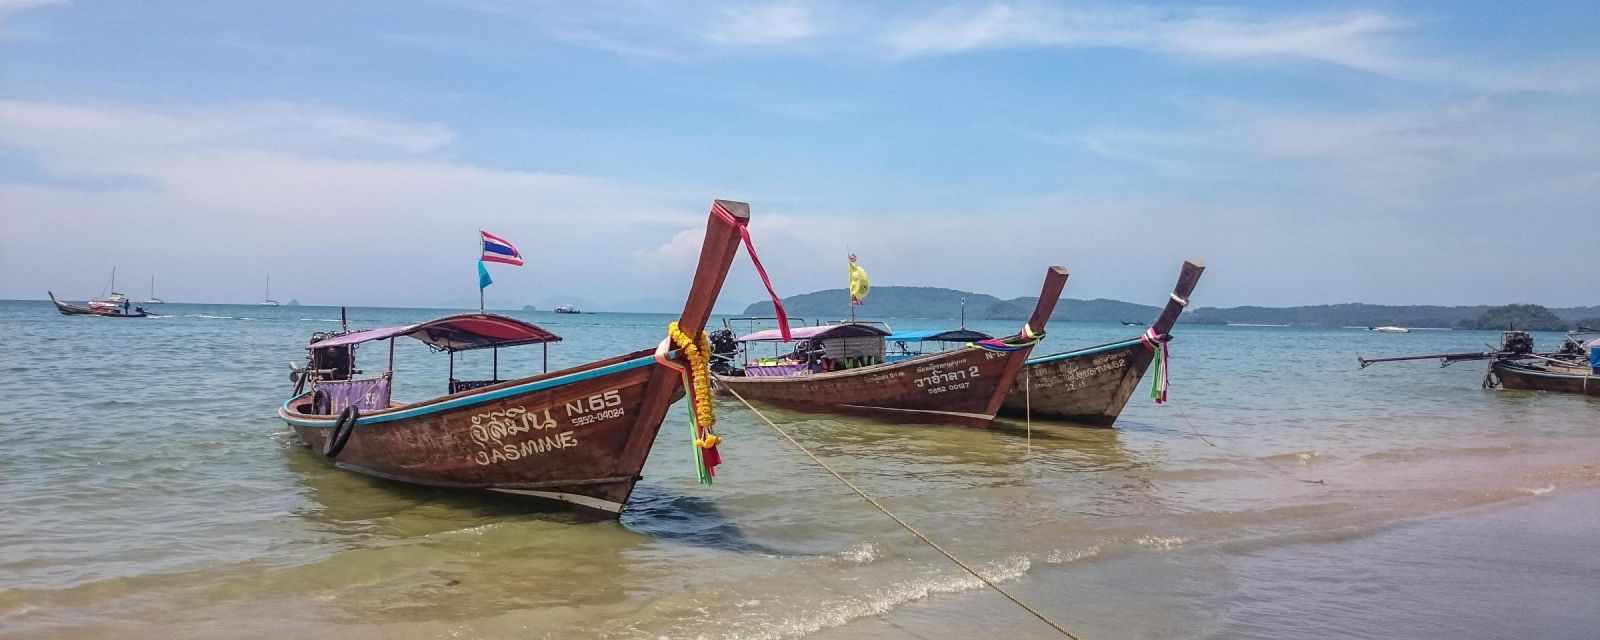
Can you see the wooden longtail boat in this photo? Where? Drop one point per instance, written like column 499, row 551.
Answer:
column 843, row 368
column 1091, row 385
column 578, row 436
column 1574, row 368
column 112, row 307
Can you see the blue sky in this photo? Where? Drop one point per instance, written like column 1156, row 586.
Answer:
column 1440, row 153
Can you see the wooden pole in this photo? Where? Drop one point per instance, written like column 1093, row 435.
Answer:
column 546, row 357
column 495, row 375
column 391, row 355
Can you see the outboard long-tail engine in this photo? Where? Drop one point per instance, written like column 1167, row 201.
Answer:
column 1517, row 342
column 723, row 348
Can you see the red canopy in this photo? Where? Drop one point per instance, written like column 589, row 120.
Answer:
column 454, row 333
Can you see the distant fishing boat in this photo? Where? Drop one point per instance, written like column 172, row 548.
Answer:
column 1389, row 329
column 115, row 305
column 266, row 298
column 578, row 436
column 1573, row 368
column 153, row 299
column 1091, row 385
column 846, row 368
column 567, row 308
column 1130, row 323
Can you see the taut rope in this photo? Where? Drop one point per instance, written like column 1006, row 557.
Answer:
column 875, row 504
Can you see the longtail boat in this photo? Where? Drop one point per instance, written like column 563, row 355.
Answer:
column 1573, row 368
column 1091, row 385
column 115, row 306
column 845, row 368
column 578, row 436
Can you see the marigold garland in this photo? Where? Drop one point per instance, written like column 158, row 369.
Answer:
column 705, row 415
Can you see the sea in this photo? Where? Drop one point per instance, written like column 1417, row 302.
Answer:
column 149, row 491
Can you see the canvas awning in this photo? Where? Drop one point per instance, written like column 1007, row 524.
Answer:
column 454, row 333
column 939, row 335
column 854, row 330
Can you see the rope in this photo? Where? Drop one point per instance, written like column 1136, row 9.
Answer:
column 1042, row 618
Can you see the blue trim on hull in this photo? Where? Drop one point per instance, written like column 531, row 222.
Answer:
column 1084, row 352
column 475, row 399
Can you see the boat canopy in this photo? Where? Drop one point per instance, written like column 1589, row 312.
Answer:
column 938, row 335
column 847, row 330
column 454, row 333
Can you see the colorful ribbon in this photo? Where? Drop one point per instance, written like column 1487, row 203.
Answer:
column 1157, row 343
column 1021, row 341
column 750, row 247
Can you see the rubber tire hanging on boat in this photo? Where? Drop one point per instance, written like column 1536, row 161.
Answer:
column 341, row 431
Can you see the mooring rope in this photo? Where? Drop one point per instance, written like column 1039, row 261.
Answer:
column 1042, row 618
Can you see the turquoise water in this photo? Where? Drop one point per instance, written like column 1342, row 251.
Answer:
column 151, row 492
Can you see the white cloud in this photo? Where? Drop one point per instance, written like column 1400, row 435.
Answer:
column 327, row 201
column 763, row 25
column 1350, row 40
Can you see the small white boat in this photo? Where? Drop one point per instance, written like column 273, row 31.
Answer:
column 567, row 308
column 153, row 299
column 1390, row 329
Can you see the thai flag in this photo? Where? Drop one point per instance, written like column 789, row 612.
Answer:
column 498, row 249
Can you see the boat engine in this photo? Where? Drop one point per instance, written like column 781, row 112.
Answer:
column 1517, row 342
column 723, row 348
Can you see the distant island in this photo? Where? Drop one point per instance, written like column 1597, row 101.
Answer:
column 946, row 304
column 529, row 307
column 293, row 303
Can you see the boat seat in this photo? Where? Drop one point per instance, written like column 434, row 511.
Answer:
column 457, row 386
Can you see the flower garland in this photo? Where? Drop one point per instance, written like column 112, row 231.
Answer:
column 703, row 414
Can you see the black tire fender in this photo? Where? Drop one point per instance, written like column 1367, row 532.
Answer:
column 342, row 428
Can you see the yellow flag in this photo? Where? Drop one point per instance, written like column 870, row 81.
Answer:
column 859, row 285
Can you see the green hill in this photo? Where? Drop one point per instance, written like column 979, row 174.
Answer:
column 938, row 303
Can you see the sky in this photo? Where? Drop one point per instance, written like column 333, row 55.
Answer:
column 1309, row 153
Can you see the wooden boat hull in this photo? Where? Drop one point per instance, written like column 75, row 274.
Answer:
column 954, row 387
column 1091, row 386
column 1518, row 376
column 560, row 436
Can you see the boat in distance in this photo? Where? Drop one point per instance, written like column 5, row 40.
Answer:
column 567, row 308
column 845, row 368
column 578, row 436
column 114, row 306
column 1091, row 385
column 1389, row 329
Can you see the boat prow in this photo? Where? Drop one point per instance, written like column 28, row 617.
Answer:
column 1092, row 385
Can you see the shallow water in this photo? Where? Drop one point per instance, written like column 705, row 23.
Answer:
column 151, row 492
